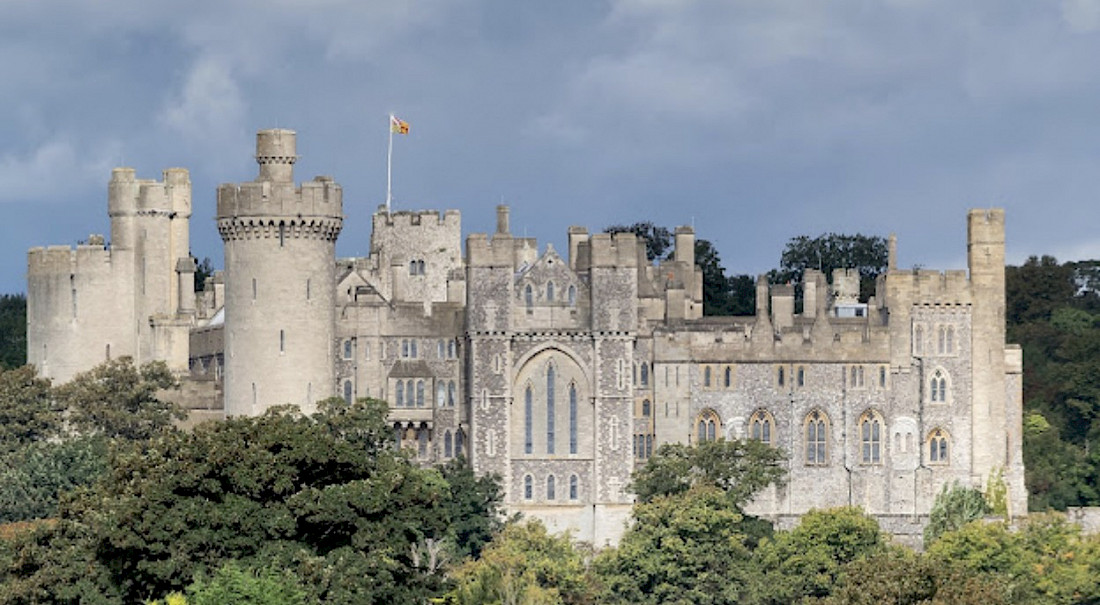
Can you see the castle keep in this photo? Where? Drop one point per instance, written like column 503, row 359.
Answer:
column 560, row 373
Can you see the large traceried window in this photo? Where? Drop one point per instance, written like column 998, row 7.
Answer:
column 572, row 418
column 550, row 409
column 528, row 426
column 938, row 447
column 817, row 439
column 870, row 437
column 707, row 426
column 762, row 426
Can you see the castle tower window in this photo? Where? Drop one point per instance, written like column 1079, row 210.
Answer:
column 309, row 289
column 870, row 435
column 781, row 376
column 412, row 349
column 645, row 374
column 528, row 430
column 817, row 439
column 528, row 296
column 882, row 377
column 460, row 442
column 937, row 447
column 648, row 445
column 412, row 267
column 400, row 392
column 550, row 409
column 572, row 296
column 706, row 376
column 707, row 426
column 800, row 379
column 728, row 377
column 451, row 349
column 918, row 339
column 440, row 351
column 282, row 234
column 573, row 487
column 572, row 418
column 440, row 394
column 550, row 291
column 404, row 348
column 253, row 288
column 550, row 495
column 528, row 487
column 447, row 449
column 646, row 408
column 451, row 393
column 419, row 393
column 347, row 391
column 761, row 426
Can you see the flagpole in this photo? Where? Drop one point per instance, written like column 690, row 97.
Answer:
column 389, row 166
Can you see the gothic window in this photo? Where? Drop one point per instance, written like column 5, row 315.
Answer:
column 441, row 352
column 397, row 432
column 707, row 426
column 572, row 418
column 460, row 442
column 855, row 377
column 419, row 393
column 645, row 374
column 938, row 447
column 448, row 452
column 937, row 387
column 762, row 426
column 572, row 295
column 308, row 289
column 410, row 394
column 412, row 349
column 800, row 380
column 422, row 442
column 528, row 430
column 451, row 394
column 706, row 376
column 528, row 296
column 400, row 392
column 870, row 437
column 781, row 376
column 440, row 394
column 347, row 391
column 550, row 487
column 450, row 349
column 528, row 487
column 946, row 340
column 347, row 349
column 573, row 487
column 817, row 439
column 729, row 377
column 646, row 408
column 405, row 348
column 549, row 291
column 550, row 409
column 882, row 377
column 420, row 267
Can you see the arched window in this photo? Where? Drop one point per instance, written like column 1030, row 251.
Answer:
column 645, row 374
column 937, row 386
column 420, row 267
column 572, row 418
column 451, row 394
column 347, row 391
column 572, row 295
column 938, row 447
column 528, row 296
column 422, row 441
column 419, row 393
column 440, row 394
column 573, row 487
column 410, row 394
column 405, row 348
column 729, row 377
column 550, row 487
column 870, row 437
column 412, row 349
column 528, row 487
column 460, row 442
column 817, row 439
column 781, row 376
column 706, row 376
column 646, row 408
column 528, row 430
column 412, row 267
column 400, row 391
column 448, row 452
column 450, row 349
column 648, row 446
column 707, row 426
column 800, row 379
column 762, row 426
column 550, row 409
column 549, row 291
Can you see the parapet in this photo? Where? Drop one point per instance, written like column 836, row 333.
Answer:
column 320, row 197
column 484, row 252
column 408, row 219
column 614, row 250
column 129, row 196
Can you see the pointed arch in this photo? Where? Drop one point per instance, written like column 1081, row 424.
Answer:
column 762, row 426
column 707, row 426
column 939, row 446
column 816, row 431
column 871, row 429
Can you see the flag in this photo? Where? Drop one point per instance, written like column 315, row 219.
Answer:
column 398, row 126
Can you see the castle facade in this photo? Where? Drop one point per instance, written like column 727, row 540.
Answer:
column 560, row 373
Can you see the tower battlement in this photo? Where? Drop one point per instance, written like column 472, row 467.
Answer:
column 614, row 249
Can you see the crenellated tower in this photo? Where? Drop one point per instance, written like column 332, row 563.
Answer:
column 280, row 282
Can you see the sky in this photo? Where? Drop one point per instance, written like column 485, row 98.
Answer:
column 755, row 121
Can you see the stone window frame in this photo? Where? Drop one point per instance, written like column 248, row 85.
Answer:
column 918, row 339
column 529, row 296
column 448, row 447
column 727, row 377
column 871, row 429
column 855, row 375
column 573, row 416
column 574, row 487
column 550, row 291
column 647, row 408
column 938, row 387
column 399, row 394
column 816, row 428
column 708, row 377
column 946, row 340
column 572, row 295
column 551, row 487
column 440, row 394
column 781, row 376
column 460, row 442
column 708, row 426
column 938, row 446
column 528, row 487
column 528, row 419
column 551, row 409
column 761, row 426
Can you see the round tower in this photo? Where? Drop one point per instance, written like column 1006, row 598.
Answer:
column 280, row 262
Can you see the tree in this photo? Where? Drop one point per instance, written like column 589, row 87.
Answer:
column 13, row 331
column 657, row 239
column 739, row 468
column 809, row 560
column 866, row 254
column 899, row 576
column 718, row 296
column 28, row 412
column 475, row 505
column 36, row 475
column 232, row 583
column 682, row 548
column 203, row 270
column 955, row 506
column 119, row 400
column 524, row 565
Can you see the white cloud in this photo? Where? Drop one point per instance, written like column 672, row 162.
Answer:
column 209, row 106
column 1081, row 16
column 54, row 169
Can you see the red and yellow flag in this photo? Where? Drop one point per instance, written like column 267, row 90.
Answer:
column 398, row 126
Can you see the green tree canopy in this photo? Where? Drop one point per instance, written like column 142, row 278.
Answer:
column 739, row 468
column 118, row 399
column 28, row 412
column 955, row 506
column 13, row 331
column 868, row 254
column 657, row 239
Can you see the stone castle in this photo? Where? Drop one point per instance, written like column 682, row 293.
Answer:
column 561, row 374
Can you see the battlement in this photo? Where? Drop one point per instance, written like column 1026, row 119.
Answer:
column 128, row 195
column 923, row 285
column 484, row 252
column 410, row 219
column 320, row 197
column 49, row 260
column 614, row 250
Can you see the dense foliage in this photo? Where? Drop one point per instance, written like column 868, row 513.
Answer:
column 13, row 331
